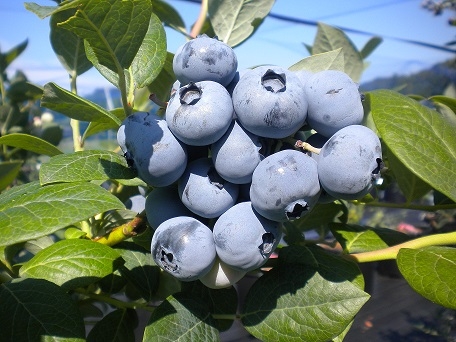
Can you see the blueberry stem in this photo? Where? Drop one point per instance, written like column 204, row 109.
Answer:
column 153, row 97
column 307, row 147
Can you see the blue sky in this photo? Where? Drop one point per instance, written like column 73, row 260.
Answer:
column 275, row 42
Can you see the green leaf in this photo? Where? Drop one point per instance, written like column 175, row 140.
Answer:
column 85, row 166
column 321, row 214
column 74, row 106
column 356, row 239
column 296, row 303
column 8, row 172
column 370, row 46
column 419, row 137
column 147, row 63
column 220, row 301
column 68, row 47
column 140, row 270
column 411, row 185
column 11, row 55
column 30, row 143
column 38, row 310
column 151, row 57
column 188, row 316
column 329, row 38
column 103, row 24
column 30, row 211
column 117, row 326
column 72, row 263
column 331, row 60
column 21, row 91
column 234, row 21
column 329, row 265
column 430, row 272
column 97, row 127
column 162, row 84
column 34, row 246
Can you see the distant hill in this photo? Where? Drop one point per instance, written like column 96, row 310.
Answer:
column 426, row 83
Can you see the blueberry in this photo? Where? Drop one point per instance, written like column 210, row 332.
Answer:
column 334, row 102
column 136, row 203
column 183, row 247
column 200, row 113
column 270, row 102
column 205, row 59
column 350, row 162
column 151, row 149
column 285, row 185
column 244, row 239
column 204, row 192
column 237, row 154
column 164, row 203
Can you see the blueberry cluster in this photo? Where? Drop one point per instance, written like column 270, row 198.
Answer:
column 226, row 165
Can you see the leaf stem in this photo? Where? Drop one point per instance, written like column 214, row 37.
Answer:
column 74, row 124
column 391, row 252
column 115, row 302
column 201, row 19
column 5, row 127
column 409, row 206
column 124, row 231
column 231, row 317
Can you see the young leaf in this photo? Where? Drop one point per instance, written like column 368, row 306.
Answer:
column 30, row 143
column 11, row 55
column 30, row 211
column 101, row 24
column 8, row 172
column 68, row 47
column 74, row 106
column 356, row 239
column 181, row 316
column 296, row 303
column 150, row 58
column 234, row 21
column 370, row 46
column 329, row 38
column 85, row 166
column 42, row 312
column 331, row 60
column 447, row 101
column 430, row 272
column 141, row 271
column 72, row 263
column 419, row 137
column 116, row 326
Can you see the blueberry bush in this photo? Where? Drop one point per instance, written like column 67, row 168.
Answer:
column 219, row 173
